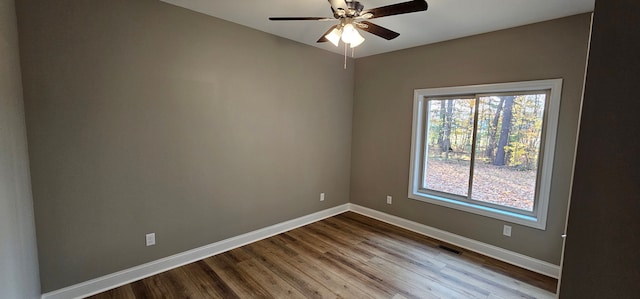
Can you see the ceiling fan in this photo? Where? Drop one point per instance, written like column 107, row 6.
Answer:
column 352, row 16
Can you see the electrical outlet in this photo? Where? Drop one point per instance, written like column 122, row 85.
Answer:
column 151, row 239
column 389, row 199
column 506, row 230
column 321, row 196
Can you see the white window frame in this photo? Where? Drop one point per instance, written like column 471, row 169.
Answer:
column 537, row 218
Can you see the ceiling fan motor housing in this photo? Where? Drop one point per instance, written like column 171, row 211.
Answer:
column 353, row 10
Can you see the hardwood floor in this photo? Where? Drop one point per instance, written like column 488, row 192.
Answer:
column 345, row 256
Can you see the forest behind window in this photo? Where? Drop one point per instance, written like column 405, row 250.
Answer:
column 490, row 155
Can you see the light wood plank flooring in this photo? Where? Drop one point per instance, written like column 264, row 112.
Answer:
column 345, row 256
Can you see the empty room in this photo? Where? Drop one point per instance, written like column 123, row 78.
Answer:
column 319, row 149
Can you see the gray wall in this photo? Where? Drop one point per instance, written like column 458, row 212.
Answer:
column 601, row 256
column 18, row 256
column 145, row 117
column 383, row 111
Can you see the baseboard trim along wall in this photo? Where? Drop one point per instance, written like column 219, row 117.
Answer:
column 495, row 252
column 126, row 276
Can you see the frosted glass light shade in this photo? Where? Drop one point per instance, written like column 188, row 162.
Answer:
column 358, row 39
column 350, row 35
column 334, row 36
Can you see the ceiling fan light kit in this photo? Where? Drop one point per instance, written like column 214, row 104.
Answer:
column 353, row 17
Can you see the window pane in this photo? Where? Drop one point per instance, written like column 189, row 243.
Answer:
column 507, row 149
column 448, row 145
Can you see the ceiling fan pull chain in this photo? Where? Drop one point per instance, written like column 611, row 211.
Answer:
column 345, row 56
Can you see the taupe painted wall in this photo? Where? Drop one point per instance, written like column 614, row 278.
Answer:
column 145, row 117
column 383, row 111
column 601, row 256
column 18, row 255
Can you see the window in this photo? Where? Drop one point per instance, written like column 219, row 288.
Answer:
column 486, row 149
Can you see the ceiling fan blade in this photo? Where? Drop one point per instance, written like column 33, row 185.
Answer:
column 396, row 9
column 323, row 38
column 301, row 19
column 378, row 30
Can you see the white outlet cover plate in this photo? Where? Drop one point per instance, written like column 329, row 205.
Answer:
column 506, row 230
column 151, row 239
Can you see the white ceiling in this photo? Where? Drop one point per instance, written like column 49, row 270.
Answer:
column 444, row 20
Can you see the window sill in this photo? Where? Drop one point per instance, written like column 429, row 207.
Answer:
column 512, row 217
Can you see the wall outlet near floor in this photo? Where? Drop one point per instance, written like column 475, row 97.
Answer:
column 389, row 199
column 322, row 196
column 151, row 239
column 506, row 230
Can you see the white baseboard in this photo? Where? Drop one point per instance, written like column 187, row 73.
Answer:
column 123, row 277
column 498, row 253
column 126, row 276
